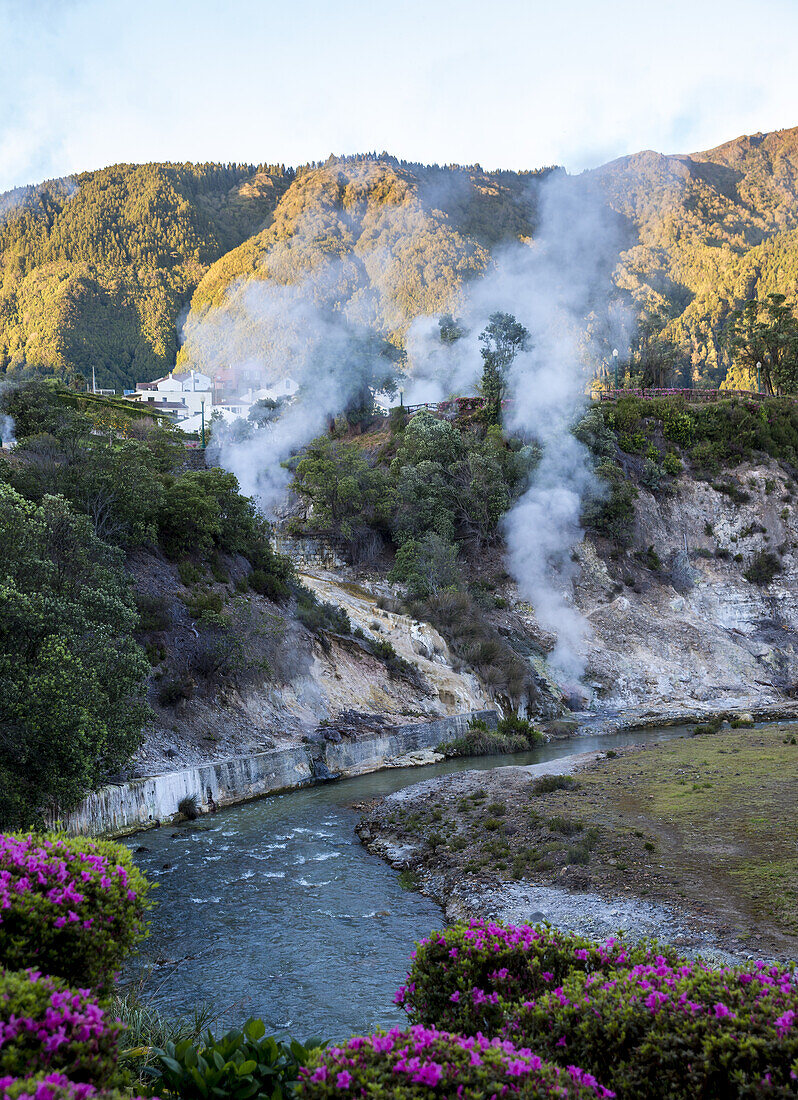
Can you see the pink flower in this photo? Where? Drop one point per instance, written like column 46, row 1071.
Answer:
column 343, row 1079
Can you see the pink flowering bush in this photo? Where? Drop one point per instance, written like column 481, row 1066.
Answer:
column 422, row 1062
column 53, row 1086
column 679, row 1032
column 74, row 908
column 475, row 977
column 45, row 1026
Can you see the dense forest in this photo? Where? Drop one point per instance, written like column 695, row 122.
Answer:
column 100, row 270
column 94, row 271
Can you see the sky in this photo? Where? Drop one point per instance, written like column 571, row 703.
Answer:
column 503, row 83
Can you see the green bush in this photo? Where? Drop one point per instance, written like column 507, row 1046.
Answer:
column 46, row 1026
column 241, row 1064
column 545, row 784
column 422, row 1062
column 71, row 907
column 320, row 616
column 671, row 464
column 189, row 572
column 154, row 613
column 475, row 977
column 611, row 513
column 676, row 1032
column 763, row 568
column 512, row 734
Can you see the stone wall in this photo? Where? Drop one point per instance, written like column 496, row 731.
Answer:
column 322, row 553
column 142, row 803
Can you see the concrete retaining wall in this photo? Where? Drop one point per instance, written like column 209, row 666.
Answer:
column 142, row 803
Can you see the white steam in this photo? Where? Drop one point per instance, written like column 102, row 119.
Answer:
column 315, row 332
column 274, row 332
column 553, row 287
column 7, row 436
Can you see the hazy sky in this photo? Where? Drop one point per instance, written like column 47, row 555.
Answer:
column 506, row 83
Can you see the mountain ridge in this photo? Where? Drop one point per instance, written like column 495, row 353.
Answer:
column 103, row 273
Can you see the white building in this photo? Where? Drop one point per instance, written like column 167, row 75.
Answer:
column 182, row 395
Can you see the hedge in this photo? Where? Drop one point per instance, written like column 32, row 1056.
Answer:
column 74, row 908
column 474, row 977
column 422, row 1062
column 678, row 1032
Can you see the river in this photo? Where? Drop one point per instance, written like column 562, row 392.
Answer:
column 274, row 909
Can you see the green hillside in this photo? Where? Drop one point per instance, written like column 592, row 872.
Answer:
column 94, row 271
column 98, row 271
column 386, row 240
column 707, row 232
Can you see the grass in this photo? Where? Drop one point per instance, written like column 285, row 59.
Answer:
column 725, row 810
column 710, row 821
column 146, row 1027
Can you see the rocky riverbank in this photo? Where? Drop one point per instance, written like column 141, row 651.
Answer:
column 692, row 840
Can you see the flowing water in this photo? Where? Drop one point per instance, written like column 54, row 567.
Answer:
column 274, row 909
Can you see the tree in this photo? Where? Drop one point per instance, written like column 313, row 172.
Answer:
column 428, row 567
column 764, row 334
column 451, row 330
column 344, row 491
column 71, row 676
column 655, row 357
column 502, row 339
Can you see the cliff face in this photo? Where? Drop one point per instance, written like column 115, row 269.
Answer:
column 689, row 630
column 676, row 628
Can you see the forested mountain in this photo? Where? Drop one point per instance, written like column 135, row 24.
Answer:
column 378, row 239
column 97, row 271
column 706, row 233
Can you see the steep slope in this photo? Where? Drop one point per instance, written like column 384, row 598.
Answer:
column 95, row 270
column 380, row 241
column 706, row 232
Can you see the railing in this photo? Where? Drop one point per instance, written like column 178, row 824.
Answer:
column 687, row 395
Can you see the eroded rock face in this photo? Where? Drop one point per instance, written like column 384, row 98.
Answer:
column 718, row 640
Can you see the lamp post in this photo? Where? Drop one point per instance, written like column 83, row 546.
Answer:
column 202, row 412
column 615, row 357
column 759, row 378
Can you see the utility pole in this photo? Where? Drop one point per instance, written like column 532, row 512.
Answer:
column 202, row 410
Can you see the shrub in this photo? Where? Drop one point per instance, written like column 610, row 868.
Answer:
column 189, row 573
column 677, row 1032
column 174, row 689
column 475, row 977
column 201, row 603
column 188, row 807
column 55, row 1086
column 44, row 1025
column 651, row 475
column 512, row 734
column 763, row 568
column 50, row 1086
column 319, row 616
column 421, row 1062
column 154, row 613
column 70, row 907
column 267, row 584
column 241, row 1064
column 671, row 464
column 545, row 784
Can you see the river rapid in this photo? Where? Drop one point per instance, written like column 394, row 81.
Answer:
column 274, row 909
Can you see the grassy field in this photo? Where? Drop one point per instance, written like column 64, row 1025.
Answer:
column 708, row 822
